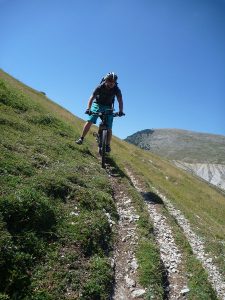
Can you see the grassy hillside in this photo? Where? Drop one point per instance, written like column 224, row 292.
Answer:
column 56, row 239
column 54, row 236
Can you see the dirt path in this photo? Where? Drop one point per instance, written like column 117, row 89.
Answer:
column 125, row 263
column 169, row 252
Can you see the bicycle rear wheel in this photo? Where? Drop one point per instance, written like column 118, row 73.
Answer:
column 104, row 142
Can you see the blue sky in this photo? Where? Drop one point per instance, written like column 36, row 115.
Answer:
column 169, row 56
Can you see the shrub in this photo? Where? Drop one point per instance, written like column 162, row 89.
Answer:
column 91, row 231
column 5, row 253
column 14, row 265
column 99, row 284
column 15, row 164
column 96, row 200
column 29, row 242
column 4, row 297
column 13, row 98
column 44, row 119
column 27, row 210
column 49, row 120
column 150, row 270
column 15, row 124
column 55, row 186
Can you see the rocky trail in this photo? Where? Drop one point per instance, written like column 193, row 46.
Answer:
column 124, row 261
column 125, row 264
column 170, row 254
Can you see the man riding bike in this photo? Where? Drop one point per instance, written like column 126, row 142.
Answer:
column 101, row 100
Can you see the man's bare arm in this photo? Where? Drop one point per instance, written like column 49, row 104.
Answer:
column 120, row 101
column 90, row 101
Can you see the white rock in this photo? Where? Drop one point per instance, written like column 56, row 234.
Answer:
column 130, row 282
column 74, row 213
column 112, row 263
column 134, row 264
column 138, row 293
column 185, row 291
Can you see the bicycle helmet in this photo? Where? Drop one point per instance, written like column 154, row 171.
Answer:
column 111, row 76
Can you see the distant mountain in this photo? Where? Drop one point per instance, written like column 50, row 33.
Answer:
column 182, row 145
column 198, row 153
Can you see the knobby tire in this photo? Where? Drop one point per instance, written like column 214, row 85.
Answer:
column 104, row 142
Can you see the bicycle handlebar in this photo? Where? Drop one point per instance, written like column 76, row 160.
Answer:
column 99, row 114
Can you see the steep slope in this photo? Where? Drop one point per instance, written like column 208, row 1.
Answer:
column 71, row 230
column 55, row 236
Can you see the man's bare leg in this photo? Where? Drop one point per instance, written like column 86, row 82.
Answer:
column 86, row 128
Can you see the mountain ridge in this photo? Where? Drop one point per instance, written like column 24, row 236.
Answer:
column 199, row 153
column 179, row 144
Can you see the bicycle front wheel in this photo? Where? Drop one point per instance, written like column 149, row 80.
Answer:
column 104, row 142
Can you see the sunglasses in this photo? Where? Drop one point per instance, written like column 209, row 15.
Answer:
column 110, row 81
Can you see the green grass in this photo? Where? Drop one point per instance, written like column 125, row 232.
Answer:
column 55, row 238
column 53, row 200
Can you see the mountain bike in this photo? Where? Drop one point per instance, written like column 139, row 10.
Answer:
column 102, row 135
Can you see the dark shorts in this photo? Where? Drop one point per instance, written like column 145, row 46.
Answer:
column 100, row 108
